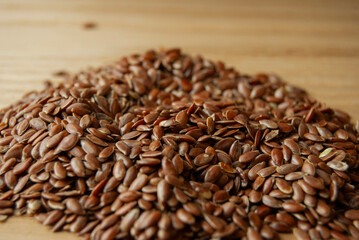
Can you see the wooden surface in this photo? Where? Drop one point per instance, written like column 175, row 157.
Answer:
column 312, row 44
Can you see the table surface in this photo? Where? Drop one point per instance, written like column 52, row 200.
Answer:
column 311, row 44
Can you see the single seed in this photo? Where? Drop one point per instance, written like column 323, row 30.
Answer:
column 293, row 207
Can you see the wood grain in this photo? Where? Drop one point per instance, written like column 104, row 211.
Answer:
column 311, row 44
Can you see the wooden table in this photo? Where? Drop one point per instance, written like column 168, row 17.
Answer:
column 311, row 44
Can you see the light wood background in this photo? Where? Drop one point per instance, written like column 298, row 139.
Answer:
column 311, row 44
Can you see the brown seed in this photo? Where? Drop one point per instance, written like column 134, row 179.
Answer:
column 338, row 165
column 213, row 173
column 37, row 123
column 253, row 234
column 182, row 117
column 53, row 217
column 176, row 223
column 128, row 196
column 147, row 219
column 22, row 126
column 108, row 221
column 174, row 181
column 168, row 168
column 130, row 218
column 301, row 234
column 89, row 147
column 125, row 208
column 130, row 175
column 180, row 195
column 106, row 152
column 185, row 216
column 268, row 184
column 149, row 161
column 306, row 187
column 78, row 167
column 277, row 156
column 21, row 183
column 354, row 231
column 74, row 128
column 68, row 142
column 192, row 208
column 55, row 139
column 252, row 173
column 215, row 222
column 293, row 207
column 14, row 152
column 324, row 231
column 247, row 157
column 220, row 196
column 51, row 196
column 110, row 233
column 280, row 226
column 268, row 123
column 255, row 196
column 267, row 232
column 352, row 214
column 265, row 172
column 119, row 170
column 294, row 176
column 284, row 186
column 151, row 117
column 139, row 182
column 203, row 159
column 255, row 221
column 338, row 235
column 74, row 206
column 59, row 171
column 6, row 140
column 292, row 145
column 6, row 203
column 286, row 168
column 78, row 224
column 271, row 202
column 10, row 179
column 287, row 218
column 258, row 182
column 22, row 166
column 323, row 209
column 314, row 182
column 163, row 191
column 314, row 234
column 313, row 137
column 130, row 135
column 6, row 211
column 178, row 163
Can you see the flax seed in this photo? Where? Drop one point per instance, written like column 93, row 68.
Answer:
column 163, row 145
